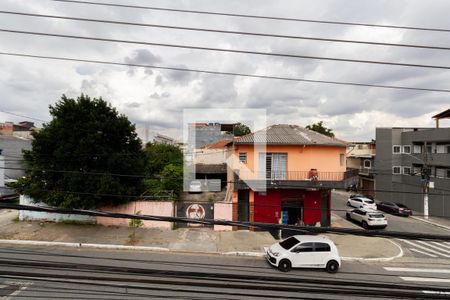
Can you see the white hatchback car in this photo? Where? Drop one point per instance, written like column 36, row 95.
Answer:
column 304, row 251
column 362, row 202
column 367, row 217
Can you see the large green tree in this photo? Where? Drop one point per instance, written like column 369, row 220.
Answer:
column 240, row 129
column 87, row 156
column 320, row 128
column 164, row 168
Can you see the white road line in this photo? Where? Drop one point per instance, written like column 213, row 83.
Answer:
column 446, row 243
column 434, row 246
column 436, row 292
column 418, row 270
column 426, row 249
column 441, row 245
column 421, row 252
column 423, row 279
column 16, row 293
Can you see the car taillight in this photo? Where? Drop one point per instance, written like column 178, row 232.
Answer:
column 400, row 209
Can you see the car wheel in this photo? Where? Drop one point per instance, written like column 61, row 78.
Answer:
column 348, row 203
column 347, row 215
column 332, row 266
column 284, row 265
column 365, row 225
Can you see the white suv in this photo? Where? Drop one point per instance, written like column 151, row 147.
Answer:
column 362, row 202
column 367, row 217
column 304, row 251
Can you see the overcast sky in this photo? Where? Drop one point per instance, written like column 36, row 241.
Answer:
column 156, row 99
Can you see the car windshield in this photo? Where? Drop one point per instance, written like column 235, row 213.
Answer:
column 369, row 201
column 376, row 216
column 289, row 243
column 400, row 205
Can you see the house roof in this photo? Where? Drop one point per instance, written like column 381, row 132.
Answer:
column 219, row 145
column 284, row 134
column 443, row 115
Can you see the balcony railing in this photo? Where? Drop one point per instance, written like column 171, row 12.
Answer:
column 297, row 175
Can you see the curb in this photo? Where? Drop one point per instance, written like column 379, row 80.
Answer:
column 161, row 249
column 81, row 245
column 431, row 223
column 121, row 247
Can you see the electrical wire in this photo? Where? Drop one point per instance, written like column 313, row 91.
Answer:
column 201, row 71
column 199, row 29
column 253, row 16
column 260, row 225
column 224, row 50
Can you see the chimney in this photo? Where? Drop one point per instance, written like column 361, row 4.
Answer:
column 2, row 170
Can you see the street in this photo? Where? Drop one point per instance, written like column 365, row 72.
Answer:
column 419, row 249
column 93, row 274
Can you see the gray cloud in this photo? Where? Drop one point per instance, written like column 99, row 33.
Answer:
column 158, row 96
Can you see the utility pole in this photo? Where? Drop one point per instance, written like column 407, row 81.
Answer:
column 425, row 181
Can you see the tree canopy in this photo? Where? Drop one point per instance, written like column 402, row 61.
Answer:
column 318, row 127
column 240, row 129
column 164, row 167
column 87, row 156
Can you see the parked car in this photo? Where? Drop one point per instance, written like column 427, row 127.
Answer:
column 361, row 195
column 395, row 208
column 367, row 217
column 362, row 202
column 352, row 188
column 304, row 251
column 195, row 186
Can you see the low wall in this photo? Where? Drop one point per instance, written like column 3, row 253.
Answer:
column 156, row 208
column 27, row 215
column 223, row 211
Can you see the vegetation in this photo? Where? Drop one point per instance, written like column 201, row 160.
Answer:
column 165, row 169
column 76, row 157
column 240, row 129
column 318, row 127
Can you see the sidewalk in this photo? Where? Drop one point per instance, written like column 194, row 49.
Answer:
column 438, row 222
column 195, row 240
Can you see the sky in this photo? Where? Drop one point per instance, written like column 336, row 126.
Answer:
column 155, row 99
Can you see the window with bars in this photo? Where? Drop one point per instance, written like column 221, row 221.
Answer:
column 243, row 157
column 275, row 165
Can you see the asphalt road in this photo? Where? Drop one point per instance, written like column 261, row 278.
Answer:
column 395, row 223
column 43, row 273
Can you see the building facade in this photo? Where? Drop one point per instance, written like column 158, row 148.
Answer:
column 290, row 181
column 408, row 158
column 361, row 157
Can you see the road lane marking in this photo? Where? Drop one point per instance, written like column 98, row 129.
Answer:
column 436, row 292
column 16, row 293
column 398, row 269
column 426, row 249
column 441, row 244
column 434, row 246
column 423, row 279
column 424, row 253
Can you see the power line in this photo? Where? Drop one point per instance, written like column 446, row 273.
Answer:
column 18, row 115
column 226, row 31
column 394, row 234
column 224, row 73
column 236, row 51
column 254, row 16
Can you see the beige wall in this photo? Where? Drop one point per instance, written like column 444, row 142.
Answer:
column 210, row 156
column 155, row 208
column 223, row 211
